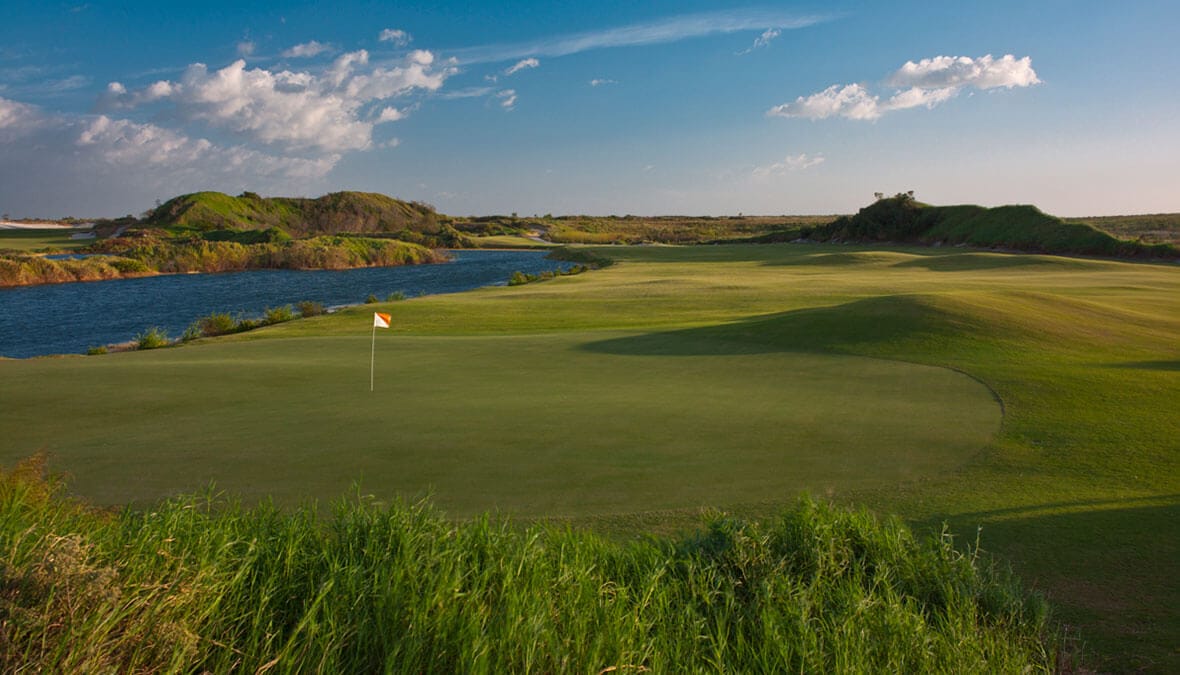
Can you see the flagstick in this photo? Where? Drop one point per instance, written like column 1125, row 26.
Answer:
column 372, row 356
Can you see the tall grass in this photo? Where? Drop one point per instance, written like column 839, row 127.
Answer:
column 204, row 584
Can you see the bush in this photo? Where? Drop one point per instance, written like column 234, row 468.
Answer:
column 396, row 296
column 95, row 351
column 278, row 314
column 152, row 338
column 216, row 324
column 371, row 299
column 309, row 308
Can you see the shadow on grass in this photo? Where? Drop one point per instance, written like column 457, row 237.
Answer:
column 1081, row 504
column 872, row 322
column 1146, row 365
column 974, row 261
column 1108, row 568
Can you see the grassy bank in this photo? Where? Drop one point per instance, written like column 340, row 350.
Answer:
column 199, row 585
column 688, row 377
column 143, row 256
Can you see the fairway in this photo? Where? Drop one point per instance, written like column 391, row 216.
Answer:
column 681, row 377
column 574, row 424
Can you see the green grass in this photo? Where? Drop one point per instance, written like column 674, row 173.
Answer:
column 508, row 241
column 571, row 424
column 27, row 241
column 199, row 585
column 723, row 345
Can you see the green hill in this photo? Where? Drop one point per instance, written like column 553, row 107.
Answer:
column 902, row 219
column 215, row 213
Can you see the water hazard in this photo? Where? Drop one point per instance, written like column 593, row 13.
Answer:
column 70, row 318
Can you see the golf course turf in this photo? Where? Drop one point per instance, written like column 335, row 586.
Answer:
column 1033, row 396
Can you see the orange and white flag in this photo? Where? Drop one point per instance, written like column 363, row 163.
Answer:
column 381, row 320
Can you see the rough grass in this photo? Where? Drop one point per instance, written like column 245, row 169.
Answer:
column 1078, row 488
column 1155, row 228
column 201, row 585
column 28, row 240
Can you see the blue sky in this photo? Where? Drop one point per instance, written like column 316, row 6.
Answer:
column 599, row 108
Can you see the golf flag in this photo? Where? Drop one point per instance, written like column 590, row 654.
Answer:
column 380, row 320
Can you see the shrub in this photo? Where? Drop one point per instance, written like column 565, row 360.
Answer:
column 152, row 338
column 278, row 314
column 309, row 308
column 396, row 296
column 216, row 324
column 95, row 351
column 371, row 299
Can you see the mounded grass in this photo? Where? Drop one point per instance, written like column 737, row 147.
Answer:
column 1079, row 487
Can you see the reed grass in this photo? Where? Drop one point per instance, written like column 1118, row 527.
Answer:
column 203, row 584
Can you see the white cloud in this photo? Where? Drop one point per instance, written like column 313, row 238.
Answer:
column 797, row 162
column 296, row 110
column 671, row 29
column 120, row 161
column 521, row 65
column 306, row 50
column 984, row 72
column 390, row 114
column 851, row 101
column 598, row 82
column 916, row 96
column 507, row 99
column 469, row 92
column 763, row 40
column 397, row 36
column 245, row 48
column 928, row 83
column 123, row 143
column 17, row 117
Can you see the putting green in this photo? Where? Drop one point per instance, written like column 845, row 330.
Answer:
column 575, row 423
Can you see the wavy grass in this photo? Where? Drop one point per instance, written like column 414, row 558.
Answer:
column 199, row 584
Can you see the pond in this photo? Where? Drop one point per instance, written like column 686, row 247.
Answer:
column 70, row 318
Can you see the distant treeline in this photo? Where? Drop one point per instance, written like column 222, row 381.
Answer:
column 148, row 255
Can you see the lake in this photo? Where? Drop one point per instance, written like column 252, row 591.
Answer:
column 70, row 318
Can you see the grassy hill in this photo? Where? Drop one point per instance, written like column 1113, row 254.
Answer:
column 336, row 213
column 902, row 219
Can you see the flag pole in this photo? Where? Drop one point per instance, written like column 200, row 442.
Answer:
column 372, row 355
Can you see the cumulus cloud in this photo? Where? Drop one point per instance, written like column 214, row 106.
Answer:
column 522, row 65
column 984, row 72
column 16, row 117
column 851, row 101
column 928, row 83
column 306, row 50
column 297, row 110
column 397, row 36
column 789, row 163
column 390, row 114
column 116, row 157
